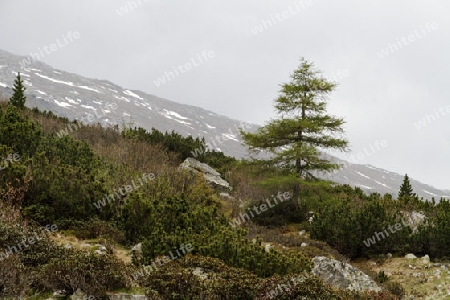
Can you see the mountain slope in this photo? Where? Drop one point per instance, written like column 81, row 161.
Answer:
column 100, row 101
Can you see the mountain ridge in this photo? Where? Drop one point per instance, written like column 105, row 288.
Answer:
column 75, row 97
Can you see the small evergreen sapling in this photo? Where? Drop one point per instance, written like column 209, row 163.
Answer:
column 406, row 188
column 18, row 98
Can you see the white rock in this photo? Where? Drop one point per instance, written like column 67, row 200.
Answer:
column 137, row 247
column 304, row 245
column 426, row 259
column 342, row 275
column 410, row 256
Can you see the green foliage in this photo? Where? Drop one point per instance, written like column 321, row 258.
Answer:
column 164, row 222
column 19, row 133
column 92, row 273
column 196, row 277
column 18, row 98
column 176, row 281
column 296, row 286
column 406, row 188
column 57, row 180
column 382, row 277
column 66, row 181
column 174, row 142
column 14, row 277
column 281, row 214
column 435, row 238
column 346, row 225
column 217, row 160
column 303, row 128
column 13, row 174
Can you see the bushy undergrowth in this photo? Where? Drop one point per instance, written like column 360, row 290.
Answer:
column 94, row 274
column 196, row 277
column 58, row 179
column 42, row 265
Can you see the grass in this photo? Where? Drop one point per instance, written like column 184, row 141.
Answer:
column 65, row 237
column 418, row 279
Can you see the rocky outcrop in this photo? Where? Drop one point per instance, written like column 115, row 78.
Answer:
column 414, row 219
column 342, row 275
column 136, row 251
column 211, row 176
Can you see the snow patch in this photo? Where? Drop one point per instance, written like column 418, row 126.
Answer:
column 380, row 183
column 71, row 100
column 361, row 174
column 41, row 92
column 209, row 126
column 3, row 84
column 176, row 115
column 88, row 106
column 21, row 74
column 88, row 88
column 230, row 137
column 130, row 93
column 430, row 193
column 62, row 104
column 364, row 186
column 182, row 122
column 54, row 80
column 122, row 98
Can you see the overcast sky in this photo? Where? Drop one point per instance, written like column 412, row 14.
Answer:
column 236, row 68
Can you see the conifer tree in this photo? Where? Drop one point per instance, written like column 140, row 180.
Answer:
column 406, row 188
column 18, row 98
column 302, row 129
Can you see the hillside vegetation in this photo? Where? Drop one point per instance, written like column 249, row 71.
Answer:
column 123, row 187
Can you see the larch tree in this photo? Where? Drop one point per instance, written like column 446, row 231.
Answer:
column 18, row 98
column 302, row 130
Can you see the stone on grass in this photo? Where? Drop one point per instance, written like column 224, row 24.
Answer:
column 342, row 276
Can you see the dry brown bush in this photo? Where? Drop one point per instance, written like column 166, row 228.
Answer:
column 15, row 280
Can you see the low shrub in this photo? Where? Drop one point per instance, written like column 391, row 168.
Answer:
column 92, row 273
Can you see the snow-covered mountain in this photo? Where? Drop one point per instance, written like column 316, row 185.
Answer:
column 100, row 101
